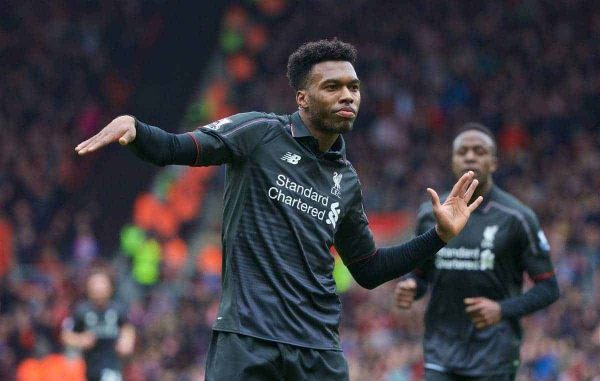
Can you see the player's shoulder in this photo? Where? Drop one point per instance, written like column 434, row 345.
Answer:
column 118, row 306
column 512, row 205
column 251, row 119
column 81, row 308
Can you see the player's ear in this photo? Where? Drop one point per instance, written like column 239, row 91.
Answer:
column 302, row 99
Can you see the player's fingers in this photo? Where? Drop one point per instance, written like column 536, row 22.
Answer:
column 94, row 145
column 456, row 189
column 408, row 284
column 465, row 185
column 472, row 300
column 475, row 204
column 405, row 297
column 435, row 199
column 404, row 301
column 86, row 143
column 473, row 309
column 91, row 144
column 128, row 137
column 105, row 137
column 471, row 190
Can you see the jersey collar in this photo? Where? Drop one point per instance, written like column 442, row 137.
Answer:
column 299, row 131
column 491, row 195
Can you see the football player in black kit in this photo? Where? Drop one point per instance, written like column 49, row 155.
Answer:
column 99, row 328
column 290, row 195
column 472, row 329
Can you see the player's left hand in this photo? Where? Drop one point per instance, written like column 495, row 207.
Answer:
column 453, row 214
column 484, row 312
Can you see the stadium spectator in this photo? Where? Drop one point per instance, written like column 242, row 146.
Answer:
column 99, row 328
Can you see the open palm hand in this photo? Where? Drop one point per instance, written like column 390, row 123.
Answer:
column 453, row 214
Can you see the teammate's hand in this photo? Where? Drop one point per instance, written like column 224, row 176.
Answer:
column 121, row 129
column 405, row 293
column 484, row 312
column 87, row 340
column 453, row 214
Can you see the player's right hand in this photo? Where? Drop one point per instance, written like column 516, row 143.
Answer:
column 405, row 293
column 121, row 129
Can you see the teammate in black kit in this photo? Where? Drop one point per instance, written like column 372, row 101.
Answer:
column 99, row 327
column 290, row 195
column 472, row 329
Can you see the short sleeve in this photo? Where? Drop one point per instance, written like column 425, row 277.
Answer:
column 354, row 239
column 230, row 139
column 536, row 249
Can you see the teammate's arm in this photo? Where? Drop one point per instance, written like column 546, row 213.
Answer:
column 536, row 261
column 414, row 285
column 385, row 264
column 535, row 255
column 71, row 335
column 126, row 341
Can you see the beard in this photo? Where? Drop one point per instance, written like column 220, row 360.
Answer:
column 326, row 121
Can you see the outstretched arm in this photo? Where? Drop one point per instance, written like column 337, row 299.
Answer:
column 149, row 143
column 388, row 263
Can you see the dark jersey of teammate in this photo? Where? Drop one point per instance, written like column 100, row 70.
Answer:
column 106, row 325
column 286, row 204
column 501, row 240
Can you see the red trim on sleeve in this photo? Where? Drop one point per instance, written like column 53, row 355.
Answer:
column 418, row 272
column 197, row 147
column 362, row 259
column 543, row 276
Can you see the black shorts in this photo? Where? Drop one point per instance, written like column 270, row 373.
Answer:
column 433, row 375
column 234, row 357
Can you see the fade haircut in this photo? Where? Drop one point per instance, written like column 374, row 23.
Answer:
column 309, row 54
column 473, row 126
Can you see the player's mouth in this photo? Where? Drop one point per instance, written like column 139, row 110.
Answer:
column 346, row 112
column 476, row 171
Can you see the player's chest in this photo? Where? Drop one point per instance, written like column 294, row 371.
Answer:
column 485, row 240
column 104, row 324
column 304, row 185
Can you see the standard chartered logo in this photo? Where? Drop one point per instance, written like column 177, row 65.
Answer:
column 463, row 258
column 334, row 214
column 304, row 199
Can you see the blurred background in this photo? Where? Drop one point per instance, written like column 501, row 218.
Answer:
column 528, row 69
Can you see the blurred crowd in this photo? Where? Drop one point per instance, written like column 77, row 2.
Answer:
column 529, row 70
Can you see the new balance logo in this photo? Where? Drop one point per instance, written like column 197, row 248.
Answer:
column 291, row 158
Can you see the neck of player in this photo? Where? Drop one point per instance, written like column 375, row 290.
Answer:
column 325, row 139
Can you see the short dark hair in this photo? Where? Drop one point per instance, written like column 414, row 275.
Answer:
column 478, row 127
column 475, row 126
column 309, row 54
